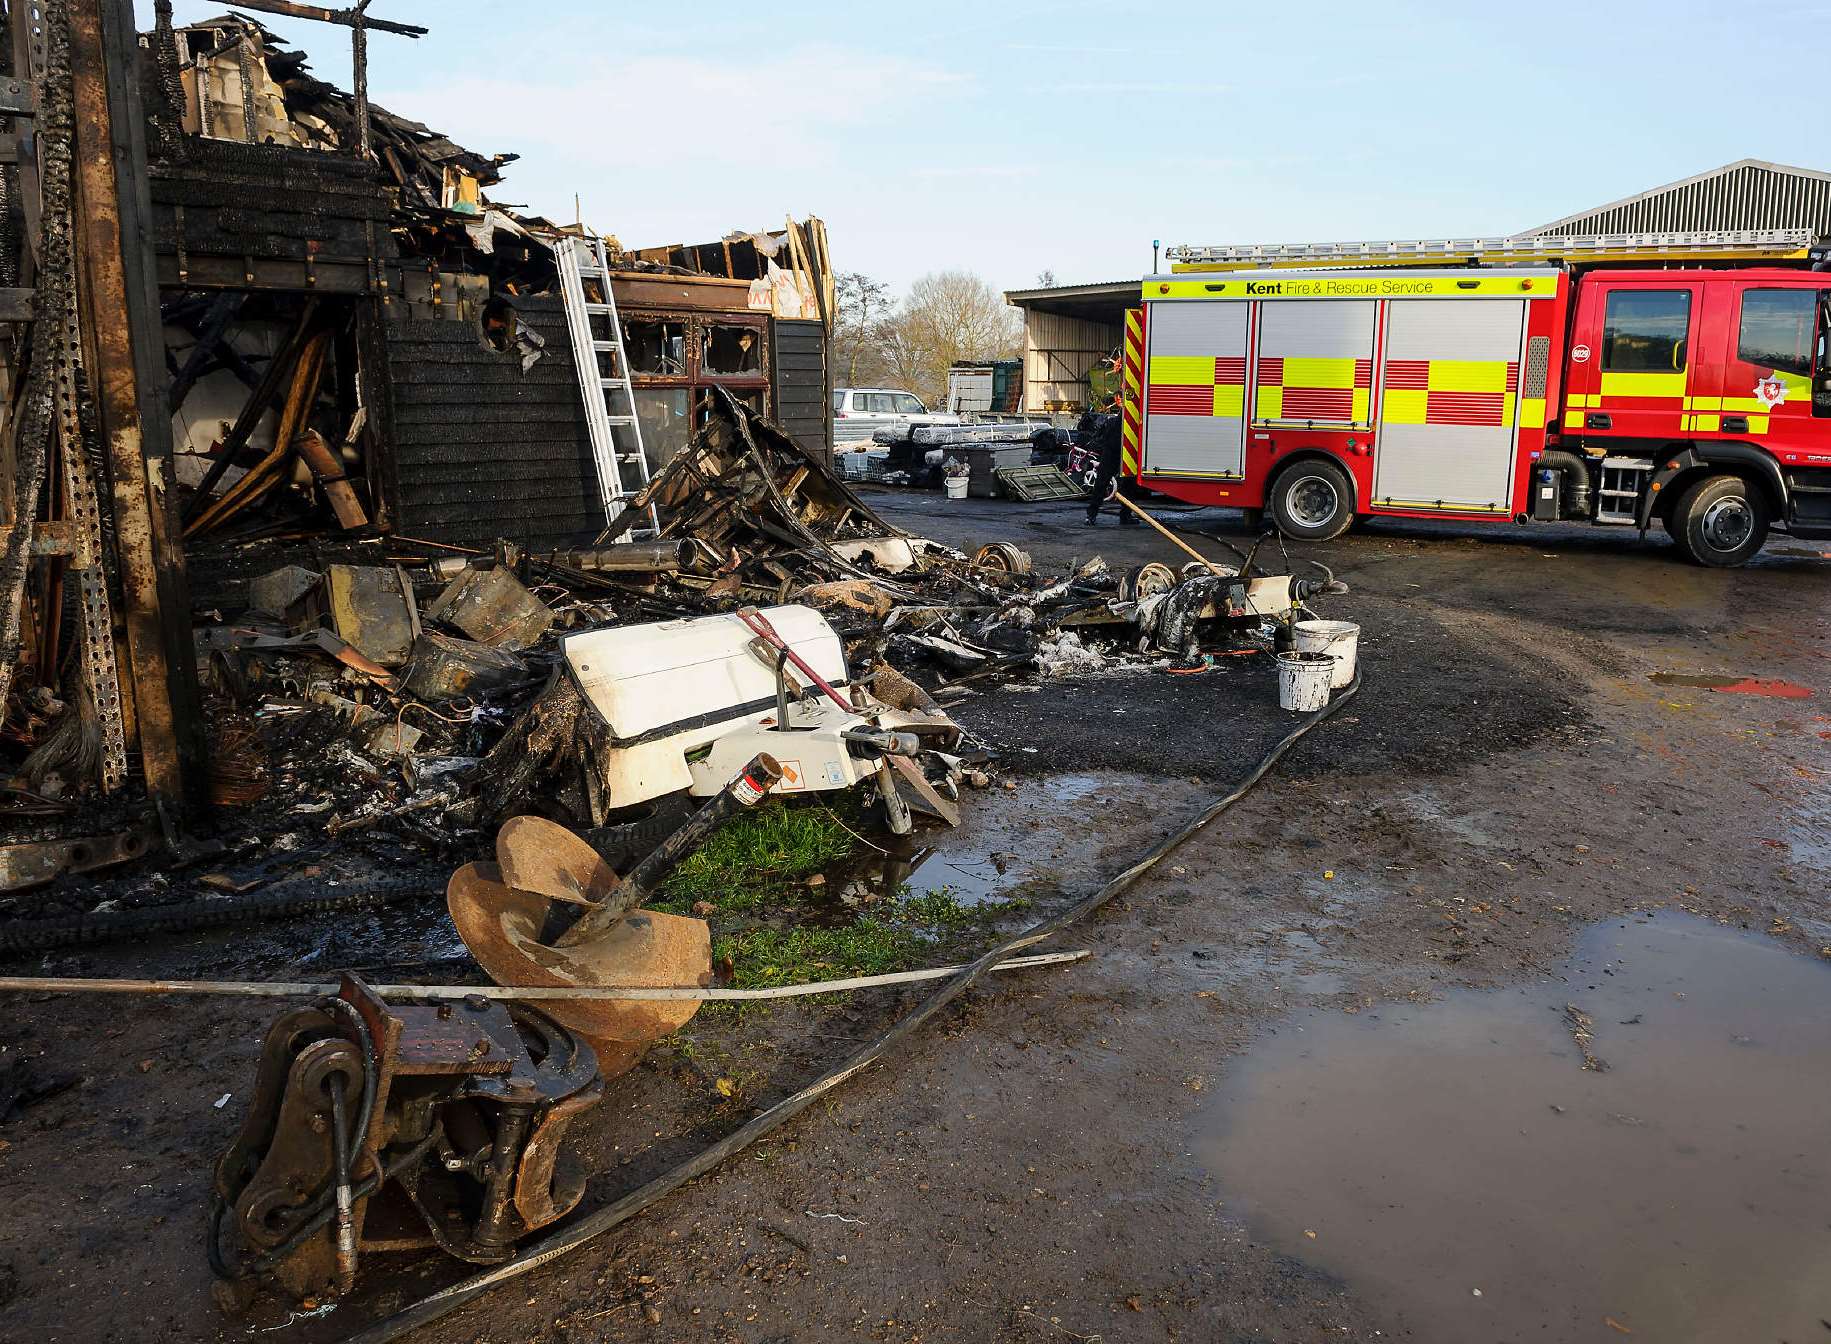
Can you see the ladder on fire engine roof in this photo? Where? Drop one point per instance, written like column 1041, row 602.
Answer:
column 603, row 370
column 1584, row 248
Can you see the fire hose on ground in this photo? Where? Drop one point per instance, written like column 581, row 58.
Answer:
column 576, row 1234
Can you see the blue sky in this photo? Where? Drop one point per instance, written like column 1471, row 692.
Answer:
column 1012, row 138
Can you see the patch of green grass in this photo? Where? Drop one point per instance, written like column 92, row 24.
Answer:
column 768, row 958
column 897, row 935
column 942, row 908
column 758, row 856
column 936, row 908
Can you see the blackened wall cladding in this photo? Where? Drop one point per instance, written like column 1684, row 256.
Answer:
column 798, row 363
column 267, row 201
column 482, row 450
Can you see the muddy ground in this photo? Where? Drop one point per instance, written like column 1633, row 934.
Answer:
column 1028, row 1167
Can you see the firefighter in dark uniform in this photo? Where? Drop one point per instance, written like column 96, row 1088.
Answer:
column 1108, row 442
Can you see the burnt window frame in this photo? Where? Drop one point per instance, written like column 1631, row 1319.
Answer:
column 702, row 335
column 695, row 380
column 645, row 316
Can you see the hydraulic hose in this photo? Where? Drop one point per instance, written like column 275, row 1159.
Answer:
column 576, row 1234
column 323, row 1213
column 347, row 1137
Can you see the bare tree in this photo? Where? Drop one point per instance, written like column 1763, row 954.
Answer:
column 948, row 316
column 1045, row 279
column 861, row 304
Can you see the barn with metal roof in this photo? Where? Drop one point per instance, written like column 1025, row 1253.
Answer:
column 1746, row 194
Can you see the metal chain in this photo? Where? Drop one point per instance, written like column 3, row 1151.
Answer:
column 47, row 45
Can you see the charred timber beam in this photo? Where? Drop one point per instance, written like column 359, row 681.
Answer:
column 349, row 18
column 321, row 275
column 120, row 312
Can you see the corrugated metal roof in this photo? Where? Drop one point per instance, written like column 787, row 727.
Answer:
column 1747, row 194
column 1101, row 288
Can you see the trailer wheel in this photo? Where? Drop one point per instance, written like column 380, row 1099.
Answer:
column 1312, row 501
column 1720, row 522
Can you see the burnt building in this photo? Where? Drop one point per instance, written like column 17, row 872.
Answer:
column 423, row 328
column 248, row 317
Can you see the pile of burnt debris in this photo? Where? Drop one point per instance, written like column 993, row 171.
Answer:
column 546, row 736
column 387, row 698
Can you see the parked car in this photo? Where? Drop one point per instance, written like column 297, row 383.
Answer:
column 859, row 412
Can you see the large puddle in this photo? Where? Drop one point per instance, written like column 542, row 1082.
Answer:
column 1455, row 1164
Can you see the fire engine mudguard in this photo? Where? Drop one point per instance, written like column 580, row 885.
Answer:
column 1700, row 456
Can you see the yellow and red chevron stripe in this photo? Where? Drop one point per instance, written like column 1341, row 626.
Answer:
column 1131, row 396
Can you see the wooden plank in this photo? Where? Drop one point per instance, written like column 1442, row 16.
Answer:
column 218, row 272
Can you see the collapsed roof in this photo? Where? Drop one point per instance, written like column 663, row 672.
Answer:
column 238, row 80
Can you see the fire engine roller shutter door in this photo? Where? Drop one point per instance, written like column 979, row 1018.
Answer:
column 1195, row 389
column 1449, row 404
column 1315, row 363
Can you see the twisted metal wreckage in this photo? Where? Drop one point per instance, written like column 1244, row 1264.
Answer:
column 241, row 589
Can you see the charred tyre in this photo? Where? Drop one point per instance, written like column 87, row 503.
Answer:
column 1312, row 501
column 1720, row 521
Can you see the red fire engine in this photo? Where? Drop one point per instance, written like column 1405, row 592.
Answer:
column 1616, row 380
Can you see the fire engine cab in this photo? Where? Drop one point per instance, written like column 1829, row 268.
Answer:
column 1616, row 380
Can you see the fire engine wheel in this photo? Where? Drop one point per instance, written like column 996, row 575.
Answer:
column 1312, row 501
column 1721, row 522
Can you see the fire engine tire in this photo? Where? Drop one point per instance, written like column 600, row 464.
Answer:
column 1721, row 521
column 1312, row 501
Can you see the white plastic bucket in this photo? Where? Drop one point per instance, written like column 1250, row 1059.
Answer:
column 956, row 486
column 1339, row 639
column 1303, row 680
